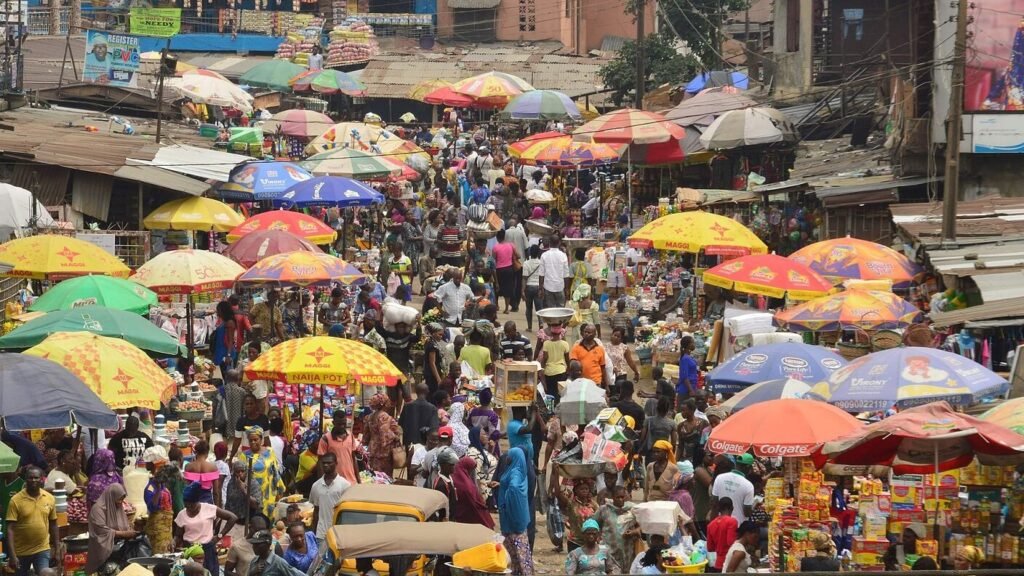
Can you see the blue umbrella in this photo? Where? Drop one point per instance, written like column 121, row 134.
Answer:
column 906, row 377
column 782, row 388
column 36, row 393
column 717, row 78
column 261, row 180
column 329, row 191
column 773, row 361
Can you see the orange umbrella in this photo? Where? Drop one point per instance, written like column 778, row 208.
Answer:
column 768, row 275
column 808, row 424
column 299, row 224
column 865, row 309
column 842, row 258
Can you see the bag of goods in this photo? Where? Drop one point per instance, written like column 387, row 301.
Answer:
column 395, row 313
column 581, row 402
column 661, row 517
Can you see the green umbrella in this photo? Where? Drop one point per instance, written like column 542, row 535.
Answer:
column 351, row 163
column 273, row 74
column 8, row 459
column 96, row 291
column 96, row 319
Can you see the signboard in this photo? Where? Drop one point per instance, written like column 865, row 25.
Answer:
column 997, row 134
column 12, row 11
column 104, row 241
column 994, row 80
column 111, row 59
column 158, row 22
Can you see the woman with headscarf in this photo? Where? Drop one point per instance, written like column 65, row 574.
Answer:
column 619, row 529
column 824, row 559
column 107, row 524
column 159, row 504
column 469, row 504
column 578, row 506
column 968, row 558
column 381, row 432
column 682, row 491
column 520, row 436
column 266, row 470
column 514, row 511
column 486, row 463
column 661, row 472
column 460, row 433
column 896, row 555
column 196, row 524
column 445, row 462
column 104, row 474
column 590, row 558
column 585, row 310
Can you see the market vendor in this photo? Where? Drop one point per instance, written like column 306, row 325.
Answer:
column 590, row 355
column 689, row 375
column 896, row 555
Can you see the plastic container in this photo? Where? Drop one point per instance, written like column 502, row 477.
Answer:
column 687, row 569
column 489, row 557
column 208, row 131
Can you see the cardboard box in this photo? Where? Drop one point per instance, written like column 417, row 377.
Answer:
column 875, row 527
column 874, row 546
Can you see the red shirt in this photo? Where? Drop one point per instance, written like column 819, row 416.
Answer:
column 242, row 327
column 721, row 535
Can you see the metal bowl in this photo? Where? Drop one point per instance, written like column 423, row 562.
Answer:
column 580, row 470
column 553, row 315
column 539, row 228
column 479, row 234
column 572, row 244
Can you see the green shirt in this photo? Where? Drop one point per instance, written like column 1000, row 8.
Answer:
column 477, row 356
column 6, row 492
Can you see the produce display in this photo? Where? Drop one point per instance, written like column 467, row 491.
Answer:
column 302, row 34
column 351, row 41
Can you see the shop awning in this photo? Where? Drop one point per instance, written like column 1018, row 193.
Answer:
column 989, row 311
column 194, row 161
column 883, row 191
column 162, row 179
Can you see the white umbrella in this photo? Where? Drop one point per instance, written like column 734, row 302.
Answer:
column 16, row 211
column 211, row 90
column 748, row 127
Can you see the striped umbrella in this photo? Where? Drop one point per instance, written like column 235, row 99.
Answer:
column 865, row 309
column 492, row 89
column 748, row 127
column 629, row 126
column 420, row 90
column 301, row 268
column 273, row 74
column 562, row 152
column 358, row 135
column 328, row 82
column 447, row 96
column 541, row 105
column 299, row 123
column 352, row 163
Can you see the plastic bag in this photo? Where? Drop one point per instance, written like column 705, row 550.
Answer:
column 138, row 547
column 556, row 524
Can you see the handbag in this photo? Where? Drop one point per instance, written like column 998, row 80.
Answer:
column 399, row 456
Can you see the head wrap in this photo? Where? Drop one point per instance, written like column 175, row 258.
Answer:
column 460, row 433
column 336, row 330
column 971, row 554
column 194, row 492
column 667, row 447
column 475, row 442
column 685, row 470
column 106, row 517
column 470, row 507
column 591, row 524
column 155, row 455
column 249, row 431
column 380, row 402
column 513, row 494
column 104, row 474
column 485, row 396
column 716, row 411
column 447, row 456
column 166, row 475
column 822, row 542
column 582, row 291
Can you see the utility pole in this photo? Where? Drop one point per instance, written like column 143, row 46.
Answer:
column 641, row 74
column 954, row 122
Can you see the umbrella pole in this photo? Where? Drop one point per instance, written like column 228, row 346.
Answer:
column 629, row 188
column 323, row 390
column 188, row 332
column 935, row 482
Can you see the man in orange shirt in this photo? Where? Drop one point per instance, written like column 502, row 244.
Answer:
column 590, row 355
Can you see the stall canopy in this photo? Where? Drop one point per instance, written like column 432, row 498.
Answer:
column 397, row 538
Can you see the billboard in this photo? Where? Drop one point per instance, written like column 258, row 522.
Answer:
column 111, row 59
column 995, row 56
column 997, row 134
column 158, row 22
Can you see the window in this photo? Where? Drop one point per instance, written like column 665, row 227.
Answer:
column 528, row 15
column 793, row 26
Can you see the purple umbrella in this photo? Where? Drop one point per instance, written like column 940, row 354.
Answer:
column 905, row 377
column 786, row 360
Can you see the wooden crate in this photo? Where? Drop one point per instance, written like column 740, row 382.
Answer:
column 511, row 376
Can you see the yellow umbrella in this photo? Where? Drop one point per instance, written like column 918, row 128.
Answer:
column 188, row 271
column 402, row 150
column 196, row 213
column 116, row 370
column 426, row 87
column 698, row 232
column 55, row 257
column 325, row 360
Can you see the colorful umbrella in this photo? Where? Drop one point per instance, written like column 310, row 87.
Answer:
column 1009, row 414
column 421, row 89
column 516, row 148
column 905, row 377
column 54, row 257
column 301, row 269
column 782, row 388
column 447, row 96
column 864, row 309
column 541, row 105
column 299, row 224
column 352, row 163
column 787, row 360
column 195, row 213
column 698, row 231
column 328, row 82
column 98, row 320
column 768, row 275
column 298, row 123
column 358, row 135
column 263, row 180
column 187, row 271
column 96, row 290
column 58, row 398
column 201, row 72
column 717, row 78
column 926, row 439
column 212, row 91
column 273, row 74
column 403, row 151
column 492, row 89
column 255, row 246
column 330, row 191
column 116, row 370
column 563, row 152
column 324, row 360
column 760, row 428
column 748, row 127
column 629, row 126
column 842, row 258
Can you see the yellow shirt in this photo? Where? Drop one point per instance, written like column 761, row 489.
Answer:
column 32, row 517
column 307, row 463
column 556, row 351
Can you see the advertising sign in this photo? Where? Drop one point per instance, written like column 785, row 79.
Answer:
column 111, row 59
column 998, row 134
column 157, row 22
column 995, row 56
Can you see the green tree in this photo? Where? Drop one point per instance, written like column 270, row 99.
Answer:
column 663, row 65
column 696, row 22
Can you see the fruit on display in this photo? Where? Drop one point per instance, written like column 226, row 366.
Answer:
column 524, row 393
column 192, row 406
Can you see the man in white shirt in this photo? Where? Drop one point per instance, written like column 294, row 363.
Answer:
column 735, row 486
column 554, row 274
column 453, row 296
column 325, row 494
column 515, row 234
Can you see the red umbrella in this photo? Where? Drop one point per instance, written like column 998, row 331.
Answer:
column 926, row 439
column 808, row 424
column 448, row 97
column 258, row 245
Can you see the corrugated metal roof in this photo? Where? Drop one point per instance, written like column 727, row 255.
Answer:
column 1005, row 286
column 990, row 311
column 193, row 161
column 986, row 220
column 163, row 179
column 979, row 259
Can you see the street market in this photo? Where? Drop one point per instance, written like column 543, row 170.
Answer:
column 404, row 292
